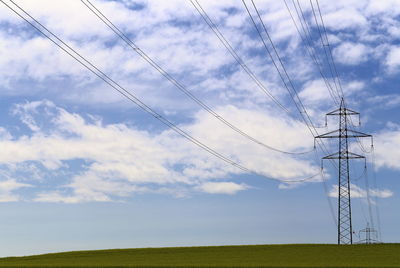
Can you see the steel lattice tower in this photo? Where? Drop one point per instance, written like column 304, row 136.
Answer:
column 345, row 228
column 368, row 239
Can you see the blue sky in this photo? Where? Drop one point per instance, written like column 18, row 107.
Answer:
column 83, row 168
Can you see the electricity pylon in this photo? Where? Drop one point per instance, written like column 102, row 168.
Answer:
column 368, row 239
column 345, row 229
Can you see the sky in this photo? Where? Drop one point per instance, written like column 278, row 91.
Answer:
column 83, row 167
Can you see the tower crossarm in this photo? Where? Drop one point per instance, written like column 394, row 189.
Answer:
column 343, row 111
column 349, row 155
column 338, row 134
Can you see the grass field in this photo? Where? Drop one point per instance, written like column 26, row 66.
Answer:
column 379, row 255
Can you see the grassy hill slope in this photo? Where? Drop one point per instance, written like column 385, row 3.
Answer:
column 379, row 255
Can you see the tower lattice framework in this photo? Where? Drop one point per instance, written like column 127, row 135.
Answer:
column 345, row 228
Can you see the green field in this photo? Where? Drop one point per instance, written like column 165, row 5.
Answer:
column 379, row 255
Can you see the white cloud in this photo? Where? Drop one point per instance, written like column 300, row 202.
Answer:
column 315, row 92
column 222, row 187
column 386, row 101
column 353, row 86
column 345, row 18
column 386, row 147
column 351, row 53
column 387, row 7
column 57, row 197
column 7, row 188
column 4, row 134
column 191, row 53
column 175, row 48
column 27, row 111
column 393, row 59
column 118, row 156
column 120, row 160
column 358, row 192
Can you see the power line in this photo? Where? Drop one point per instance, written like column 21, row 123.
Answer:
column 234, row 54
column 329, row 56
column 300, row 107
column 307, row 33
column 367, row 188
column 362, row 175
column 378, row 217
column 330, row 49
column 341, row 92
column 325, row 49
column 359, row 201
column 306, row 39
column 345, row 232
column 330, row 59
column 369, row 199
column 328, row 53
column 312, row 52
column 338, row 86
column 302, row 112
column 356, row 182
column 325, row 186
column 124, row 92
column 177, row 84
column 362, row 209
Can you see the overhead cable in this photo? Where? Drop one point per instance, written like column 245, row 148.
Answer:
column 177, row 84
column 292, row 92
column 306, row 39
column 234, row 54
column 127, row 94
column 326, row 48
column 301, row 111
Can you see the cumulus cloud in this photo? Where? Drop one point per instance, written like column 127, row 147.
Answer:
column 30, row 56
column 345, row 18
column 192, row 53
column 117, row 160
column 387, row 142
column 222, row 187
column 393, row 59
column 351, row 53
column 358, row 192
column 389, row 7
column 386, row 101
column 8, row 188
column 315, row 92
column 184, row 46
